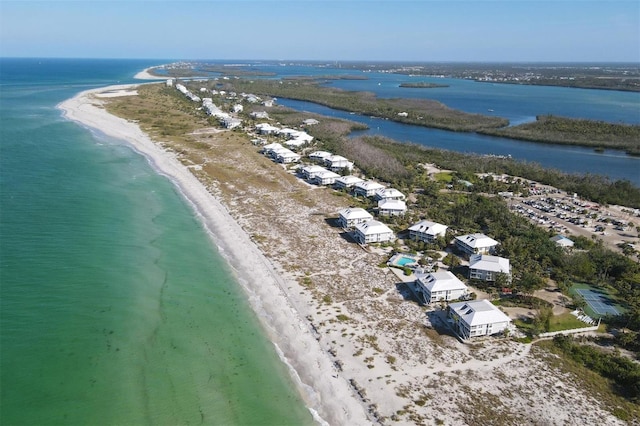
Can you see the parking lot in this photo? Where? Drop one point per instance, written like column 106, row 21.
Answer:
column 569, row 215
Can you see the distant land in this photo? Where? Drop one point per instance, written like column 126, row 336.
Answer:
column 605, row 76
column 422, row 85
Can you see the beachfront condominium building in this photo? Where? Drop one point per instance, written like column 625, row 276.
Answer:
column 372, row 232
column 367, row 188
column 287, row 156
column 475, row 244
column 352, row 216
column 309, row 172
column 266, row 129
column 337, row 163
column 392, row 207
column 486, row 268
column 389, row 194
column 347, row 181
column 427, row 231
column 477, row 318
column 326, row 177
column 319, row 156
column 439, row 286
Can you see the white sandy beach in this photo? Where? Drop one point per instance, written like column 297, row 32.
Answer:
column 146, row 75
column 393, row 367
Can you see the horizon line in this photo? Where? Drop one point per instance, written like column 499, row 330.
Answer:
column 397, row 61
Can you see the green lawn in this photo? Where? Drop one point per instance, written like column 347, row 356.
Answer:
column 443, row 177
column 565, row 322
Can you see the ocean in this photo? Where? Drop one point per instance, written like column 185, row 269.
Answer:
column 115, row 306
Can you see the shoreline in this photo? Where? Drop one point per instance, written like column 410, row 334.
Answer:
column 146, row 75
column 329, row 401
column 380, row 361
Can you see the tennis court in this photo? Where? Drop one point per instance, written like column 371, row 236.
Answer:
column 598, row 302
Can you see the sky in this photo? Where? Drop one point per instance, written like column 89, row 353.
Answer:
column 374, row 30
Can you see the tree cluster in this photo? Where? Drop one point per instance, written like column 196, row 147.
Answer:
column 570, row 131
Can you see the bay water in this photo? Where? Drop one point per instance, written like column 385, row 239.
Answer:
column 115, row 307
column 517, row 103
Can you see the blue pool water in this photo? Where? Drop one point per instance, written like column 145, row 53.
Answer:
column 403, row 261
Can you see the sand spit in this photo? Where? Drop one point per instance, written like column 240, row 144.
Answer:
column 365, row 353
column 146, row 75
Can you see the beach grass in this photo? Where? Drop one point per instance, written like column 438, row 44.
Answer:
column 601, row 388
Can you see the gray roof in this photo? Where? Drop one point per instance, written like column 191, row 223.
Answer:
column 477, row 240
column 441, row 281
column 479, row 312
column 489, row 263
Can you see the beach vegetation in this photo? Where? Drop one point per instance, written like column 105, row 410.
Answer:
column 422, row 85
column 384, row 153
column 307, row 282
column 592, row 364
column 571, row 131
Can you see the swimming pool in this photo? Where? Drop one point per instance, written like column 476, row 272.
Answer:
column 405, row 261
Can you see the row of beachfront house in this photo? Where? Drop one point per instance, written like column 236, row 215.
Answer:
column 182, row 89
column 482, row 266
column 443, row 286
column 468, row 318
column 391, row 202
column 226, row 120
column 293, row 138
column 279, row 153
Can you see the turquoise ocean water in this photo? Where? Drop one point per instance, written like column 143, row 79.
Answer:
column 115, row 307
